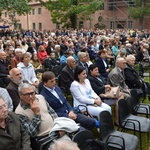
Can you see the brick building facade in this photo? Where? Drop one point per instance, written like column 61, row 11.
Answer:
column 113, row 15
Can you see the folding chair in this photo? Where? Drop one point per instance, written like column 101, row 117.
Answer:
column 113, row 138
column 132, row 122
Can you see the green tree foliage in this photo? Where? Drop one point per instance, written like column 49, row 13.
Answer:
column 18, row 6
column 140, row 9
column 67, row 12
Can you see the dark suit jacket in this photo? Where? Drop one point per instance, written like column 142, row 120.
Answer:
column 67, row 77
column 12, row 89
column 115, row 78
column 54, row 102
column 4, row 69
column 101, row 67
column 80, row 64
column 97, row 86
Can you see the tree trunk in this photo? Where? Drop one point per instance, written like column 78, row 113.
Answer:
column 142, row 16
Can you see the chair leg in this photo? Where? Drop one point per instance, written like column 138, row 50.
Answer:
column 140, row 140
column 148, row 135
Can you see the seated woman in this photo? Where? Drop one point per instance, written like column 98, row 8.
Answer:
column 83, row 93
column 27, row 69
column 102, row 64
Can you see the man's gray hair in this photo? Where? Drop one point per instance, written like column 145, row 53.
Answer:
column 25, row 85
column 129, row 57
column 62, row 144
column 69, row 58
column 118, row 60
column 80, row 54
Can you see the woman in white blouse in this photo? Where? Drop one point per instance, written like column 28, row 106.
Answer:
column 83, row 93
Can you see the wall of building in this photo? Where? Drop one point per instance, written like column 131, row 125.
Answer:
column 118, row 16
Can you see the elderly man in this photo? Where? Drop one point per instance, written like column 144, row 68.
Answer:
column 12, row 88
column 12, row 135
column 67, row 74
column 35, row 114
column 116, row 77
column 82, row 56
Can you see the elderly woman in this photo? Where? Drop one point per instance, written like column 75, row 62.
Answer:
column 83, row 93
column 27, row 69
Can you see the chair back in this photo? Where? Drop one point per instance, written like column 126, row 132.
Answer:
column 123, row 110
column 141, row 69
column 81, row 137
column 57, row 70
column 40, row 87
column 106, row 124
column 134, row 98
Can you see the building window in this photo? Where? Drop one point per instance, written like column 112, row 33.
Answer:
column 33, row 26
column 33, row 11
column 130, row 24
column 5, row 14
column 40, row 26
column 80, row 24
column 111, row 24
column 39, row 10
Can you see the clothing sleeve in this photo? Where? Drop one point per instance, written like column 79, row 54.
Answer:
column 31, row 126
column 25, row 139
column 51, row 111
column 76, row 92
column 66, row 82
column 129, row 76
column 34, row 78
column 14, row 97
column 9, row 102
column 98, row 89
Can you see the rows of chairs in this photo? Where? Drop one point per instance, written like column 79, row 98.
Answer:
column 128, row 120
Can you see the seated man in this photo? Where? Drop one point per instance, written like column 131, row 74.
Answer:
column 59, row 103
column 116, row 77
column 67, row 74
column 12, row 88
column 5, row 95
column 12, row 135
column 35, row 114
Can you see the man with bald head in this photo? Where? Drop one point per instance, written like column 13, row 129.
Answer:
column 67, row 74
column 116, row 77
column 12, row 88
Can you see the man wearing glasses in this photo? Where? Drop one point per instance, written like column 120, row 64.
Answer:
column 35, row 114
column 12, row 135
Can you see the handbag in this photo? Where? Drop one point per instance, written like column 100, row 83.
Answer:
column 114, row 92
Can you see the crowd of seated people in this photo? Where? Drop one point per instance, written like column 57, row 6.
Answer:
column 90, row 65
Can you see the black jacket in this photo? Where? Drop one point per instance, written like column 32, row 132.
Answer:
column 132, row 77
